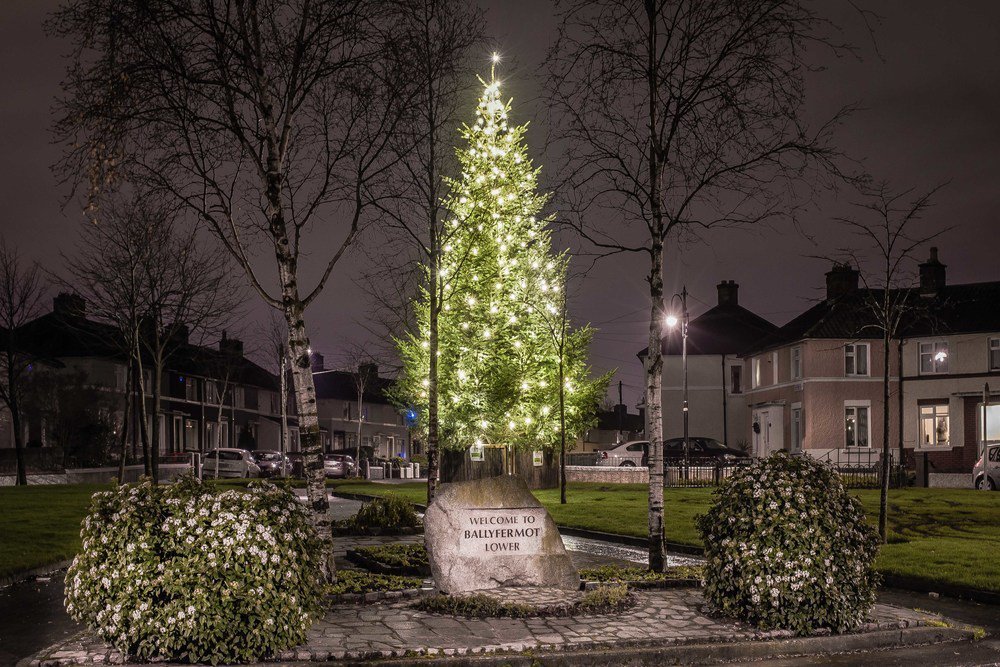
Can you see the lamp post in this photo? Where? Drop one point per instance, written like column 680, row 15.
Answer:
column 673, row 321
column 986, row 448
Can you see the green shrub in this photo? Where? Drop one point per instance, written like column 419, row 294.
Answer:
column 402, row 556
column 186, row 573
column 788, row 547
column 605, row 599
column 390, row 511
column 359, row 581
column 475, row 605
column 618, row 573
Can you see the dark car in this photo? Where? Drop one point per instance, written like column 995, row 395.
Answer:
column 272, row 463
column 701, row 449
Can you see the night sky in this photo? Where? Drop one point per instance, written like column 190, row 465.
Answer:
column 931, row 98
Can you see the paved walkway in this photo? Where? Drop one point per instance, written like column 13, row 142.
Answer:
column 395, row 629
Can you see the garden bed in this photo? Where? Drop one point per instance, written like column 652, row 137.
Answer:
column 398, row 559
column 681, row 576
column 531, row 603
column 355, row 586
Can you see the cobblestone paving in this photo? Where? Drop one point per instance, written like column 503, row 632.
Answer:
column 395, row 629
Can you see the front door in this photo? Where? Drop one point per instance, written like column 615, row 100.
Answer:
column 768, row 430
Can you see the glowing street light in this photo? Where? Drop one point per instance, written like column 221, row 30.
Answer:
column 672, row 321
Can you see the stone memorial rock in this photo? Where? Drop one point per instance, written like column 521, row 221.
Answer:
column 492, row 533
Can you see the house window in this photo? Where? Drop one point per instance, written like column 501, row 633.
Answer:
column 191, row 439
column 347, row 411
column 177, row 439
column 211, row 392
column 755, row 372
column 796, row 363
column 798, row 428
column 238, row 400
column 934, row 426
column 774, row 368
column 190, row 388
column 933, row 358
column 856, row 359
column 992, row 414
column 736, row 379
column 994, row 354
column 857, row 428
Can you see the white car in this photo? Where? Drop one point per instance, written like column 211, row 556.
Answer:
column 628, row 454
column 229, row 462
column 988, row 478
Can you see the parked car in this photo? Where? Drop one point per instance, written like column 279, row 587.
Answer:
column 229, row 462
column 988, row 477
column 272, row 463
column 339, row 465
column 701, row 449
column 627, row 454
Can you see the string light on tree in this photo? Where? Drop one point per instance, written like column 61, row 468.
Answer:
column 498, row 373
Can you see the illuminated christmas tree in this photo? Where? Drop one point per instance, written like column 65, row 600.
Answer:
column 507, row 357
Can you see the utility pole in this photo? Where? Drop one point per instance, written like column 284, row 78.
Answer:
column 621, row 417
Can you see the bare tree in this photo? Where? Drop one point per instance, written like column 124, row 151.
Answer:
column 268, row 118
column 274, row 336
column 157, row 285
column 21, row 293
column 888, row 238
column 675, row 117
column 437, row 40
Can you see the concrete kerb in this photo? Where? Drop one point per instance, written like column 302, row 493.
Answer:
column 674, row 653
column 33, row 573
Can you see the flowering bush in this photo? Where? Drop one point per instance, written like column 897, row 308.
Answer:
column 188, row 574
column 788, row 547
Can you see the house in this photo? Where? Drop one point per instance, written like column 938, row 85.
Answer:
column 613, row 427
column 948, row 358
column 716, row 379
column 85, row 379
column 382, row 424
column 815, row 384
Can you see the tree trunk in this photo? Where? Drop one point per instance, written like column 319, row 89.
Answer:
column 883, row 503
column 562, row 428
column 654, row 412
column 283, row 397
column 143, row 421
column 154, row 449
column 361, row 393
column 15, row 423
column 123, row 448
column 432, row 380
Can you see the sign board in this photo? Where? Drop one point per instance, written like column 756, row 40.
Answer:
column 476, row 452
column 536, row 459
column 502, row 531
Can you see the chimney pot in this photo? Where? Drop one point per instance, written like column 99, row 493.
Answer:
column 932, row 274
column 69, row 304
column 840, row 280
column 729, row 293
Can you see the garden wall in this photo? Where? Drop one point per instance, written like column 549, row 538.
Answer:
column 458, row 466
column 607, row 474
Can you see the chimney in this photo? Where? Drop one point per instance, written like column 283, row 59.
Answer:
column 233, row 346
column 69, row 305
column 369, row 371
column 317, row 362
column 841, row 280
column 932, row 274
column 179, row 333
column 729, row 293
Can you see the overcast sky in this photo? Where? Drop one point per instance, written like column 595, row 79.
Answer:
column 932, row 114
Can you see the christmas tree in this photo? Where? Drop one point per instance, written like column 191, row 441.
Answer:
column 511, row 370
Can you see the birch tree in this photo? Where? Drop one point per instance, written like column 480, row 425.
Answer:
column 268, row 119
column 677, row 116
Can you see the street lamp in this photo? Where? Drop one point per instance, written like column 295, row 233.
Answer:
column 672, row 321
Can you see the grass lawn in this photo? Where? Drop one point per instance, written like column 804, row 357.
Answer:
column 947, row 535
column 40, row 525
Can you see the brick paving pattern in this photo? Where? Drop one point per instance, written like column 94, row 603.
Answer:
column 395, row 629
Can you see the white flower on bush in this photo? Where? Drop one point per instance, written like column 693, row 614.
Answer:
column 754, row 545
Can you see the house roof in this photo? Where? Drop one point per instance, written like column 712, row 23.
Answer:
column 607, row 420
column 59, row 335
column 967, row 308
column 340, row 385
column 724, row 329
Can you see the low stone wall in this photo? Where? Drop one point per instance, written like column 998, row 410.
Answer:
column 168, row 473
column 944, row 480
column 607, row 474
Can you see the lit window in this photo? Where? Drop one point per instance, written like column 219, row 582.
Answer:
column 796, row 363
column 856, row 426
column 933, row 358
column 934, row 426
column 856, row 359
column 995, row 354
column 798, row 429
